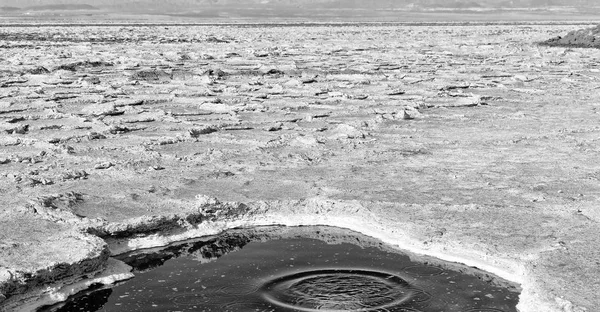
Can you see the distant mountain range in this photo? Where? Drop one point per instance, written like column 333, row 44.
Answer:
column 285, row 7
column 49, row 7
column 173, row 5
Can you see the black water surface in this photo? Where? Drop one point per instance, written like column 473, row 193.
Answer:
column 302, row 269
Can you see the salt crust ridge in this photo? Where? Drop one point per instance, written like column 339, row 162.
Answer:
column 115, row 271
column 262, row 215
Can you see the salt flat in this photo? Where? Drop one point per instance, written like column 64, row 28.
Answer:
column 471, row 143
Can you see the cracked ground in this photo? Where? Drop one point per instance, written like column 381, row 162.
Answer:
column 466, row 140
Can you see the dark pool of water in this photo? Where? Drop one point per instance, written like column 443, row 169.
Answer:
column 301, row 269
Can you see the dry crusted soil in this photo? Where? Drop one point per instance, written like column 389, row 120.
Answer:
column 469, row 142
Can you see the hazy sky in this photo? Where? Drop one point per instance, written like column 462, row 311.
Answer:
column 341, row 3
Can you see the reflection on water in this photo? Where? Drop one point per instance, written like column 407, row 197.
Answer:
column 294, row 269
column 91, row 300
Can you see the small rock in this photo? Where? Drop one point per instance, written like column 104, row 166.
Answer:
column 359, row 96
column 167, row 141
column 128, row 102
column 520, row 77
column 4, row 161
column 45, row 181
column 455, row 87
column 104, row 165
column 308, row 78
column 267, row 70
column 196, row 132
column 293, row 83
column 16, row 178
column 410, row 114
column 31, row 182
column 204, row 200
column 261, row 53
column 95, row 136
column 74, row 175
column 440, row 232
column 347, row 131
column 37, row 181
column 214, row 72
column 305, row 141
column 40, row 70
column 215, row 101
column 152, row 75
column 218, row 108
column 396, row 92
column 61, row 96
column 117, row 129
column 208, row 80
column 276, row 89
column 274, row 127
column 66, row 149
column 107, row 109
column 20, row 129
column 256, row 82
column 221, row 174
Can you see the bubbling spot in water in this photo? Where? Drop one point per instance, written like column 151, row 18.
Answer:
column 338, row 290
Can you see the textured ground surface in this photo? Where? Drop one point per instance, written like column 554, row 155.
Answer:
column 466, row 141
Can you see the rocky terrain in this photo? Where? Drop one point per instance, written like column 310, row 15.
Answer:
column 470, row 143
column 581, row 38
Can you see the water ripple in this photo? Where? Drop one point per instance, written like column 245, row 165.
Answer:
column 339, row 290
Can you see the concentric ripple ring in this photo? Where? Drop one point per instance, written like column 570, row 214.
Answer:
column 338, row 290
